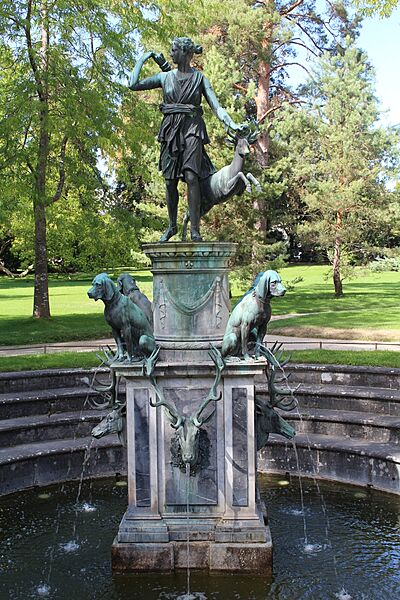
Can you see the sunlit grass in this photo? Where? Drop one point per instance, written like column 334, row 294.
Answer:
column 368, row 291
column 86, row 360
column 74, row 315
column 58, row 360
column 372, row 358
column 371, row 301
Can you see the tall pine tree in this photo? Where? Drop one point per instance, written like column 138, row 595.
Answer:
column 340, row 157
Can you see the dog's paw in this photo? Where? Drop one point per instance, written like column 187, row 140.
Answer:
column 119, row 358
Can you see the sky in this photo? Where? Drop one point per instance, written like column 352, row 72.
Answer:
column 380, row 38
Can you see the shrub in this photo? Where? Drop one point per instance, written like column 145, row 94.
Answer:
column 389, row 262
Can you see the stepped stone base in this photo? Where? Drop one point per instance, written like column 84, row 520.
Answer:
column 230, row 556
column 171, row 556
column 54, row 461
column 351, row 420
column 359, row 462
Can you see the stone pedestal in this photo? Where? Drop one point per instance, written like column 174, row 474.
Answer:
column 226, row 524
column 216, row 506
column 191, row 301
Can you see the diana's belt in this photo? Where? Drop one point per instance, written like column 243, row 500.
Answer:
column 182, row 109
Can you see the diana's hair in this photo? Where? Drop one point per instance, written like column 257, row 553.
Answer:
column 187, row 45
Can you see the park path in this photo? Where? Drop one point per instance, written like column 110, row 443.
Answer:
column 289, row 343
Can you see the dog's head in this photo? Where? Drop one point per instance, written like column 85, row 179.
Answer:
column 269, row 284
column 126, row 284
column 103, row 288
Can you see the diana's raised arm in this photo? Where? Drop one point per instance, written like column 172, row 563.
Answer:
column 145, row 84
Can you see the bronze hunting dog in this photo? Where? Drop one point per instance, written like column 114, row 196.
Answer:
column 128, row 287
column 251, row 315
column 128, row 323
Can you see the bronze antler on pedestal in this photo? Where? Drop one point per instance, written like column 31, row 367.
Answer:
column 188, row 427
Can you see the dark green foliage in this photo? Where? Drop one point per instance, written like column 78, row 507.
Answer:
column 339, row 160
column 60, row 92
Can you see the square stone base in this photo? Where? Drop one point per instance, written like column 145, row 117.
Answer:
column 215, row 557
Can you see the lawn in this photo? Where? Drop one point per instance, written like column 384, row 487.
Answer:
column 370, row 308
column 314, row 294
column 58, row 360
column 86, row 360
column 74, row 315
column 372, row 358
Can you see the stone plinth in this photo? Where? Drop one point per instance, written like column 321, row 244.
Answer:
column 190, row 297
column 226, row 524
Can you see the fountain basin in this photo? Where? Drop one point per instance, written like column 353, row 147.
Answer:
column 40, row 557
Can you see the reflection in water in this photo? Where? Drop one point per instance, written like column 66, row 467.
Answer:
column 71, row 546
column 364, row 537
column 43, row 590
column 87, row 507
column 343, row 595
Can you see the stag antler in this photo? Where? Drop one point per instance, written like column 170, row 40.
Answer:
column 250, row 131
column 212, row 396
column 148, row 369
column 149, row 362
column 280, row 397
column 109, row 392
column 176, row 419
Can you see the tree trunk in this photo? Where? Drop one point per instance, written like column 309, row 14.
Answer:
column 337, row 281
column 262, row 101
column 262, row 146
column 41, row 305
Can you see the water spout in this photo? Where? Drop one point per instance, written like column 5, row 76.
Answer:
column 78, row 495
column 187, row 470
column 306, row 544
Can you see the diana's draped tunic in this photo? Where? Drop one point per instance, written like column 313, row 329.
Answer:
column 183, row 133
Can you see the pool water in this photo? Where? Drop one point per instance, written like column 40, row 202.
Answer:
column 344, row 545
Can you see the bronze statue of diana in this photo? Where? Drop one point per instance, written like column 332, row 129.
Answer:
column 183, row 134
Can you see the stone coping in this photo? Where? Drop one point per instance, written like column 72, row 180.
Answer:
column 382, row 450
column 344, row 368
column 290, row 367
column 198, row 368
column 341, row 390
column 35, row 449
column 193, row 248
column 45, row 372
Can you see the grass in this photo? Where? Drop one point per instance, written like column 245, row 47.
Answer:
column 368, row 292
column 58, row 360
column 74, row 315
column 370, row 308
column 86, row 360
column 382, row 325
column 373, row 358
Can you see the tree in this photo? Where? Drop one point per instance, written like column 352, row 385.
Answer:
column 383, row 8
column 343, row 159
column 60, row 64
column 250, row 48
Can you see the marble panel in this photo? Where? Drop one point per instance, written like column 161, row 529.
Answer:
column 142, row 448
column 240, row 483
column 202, row 486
